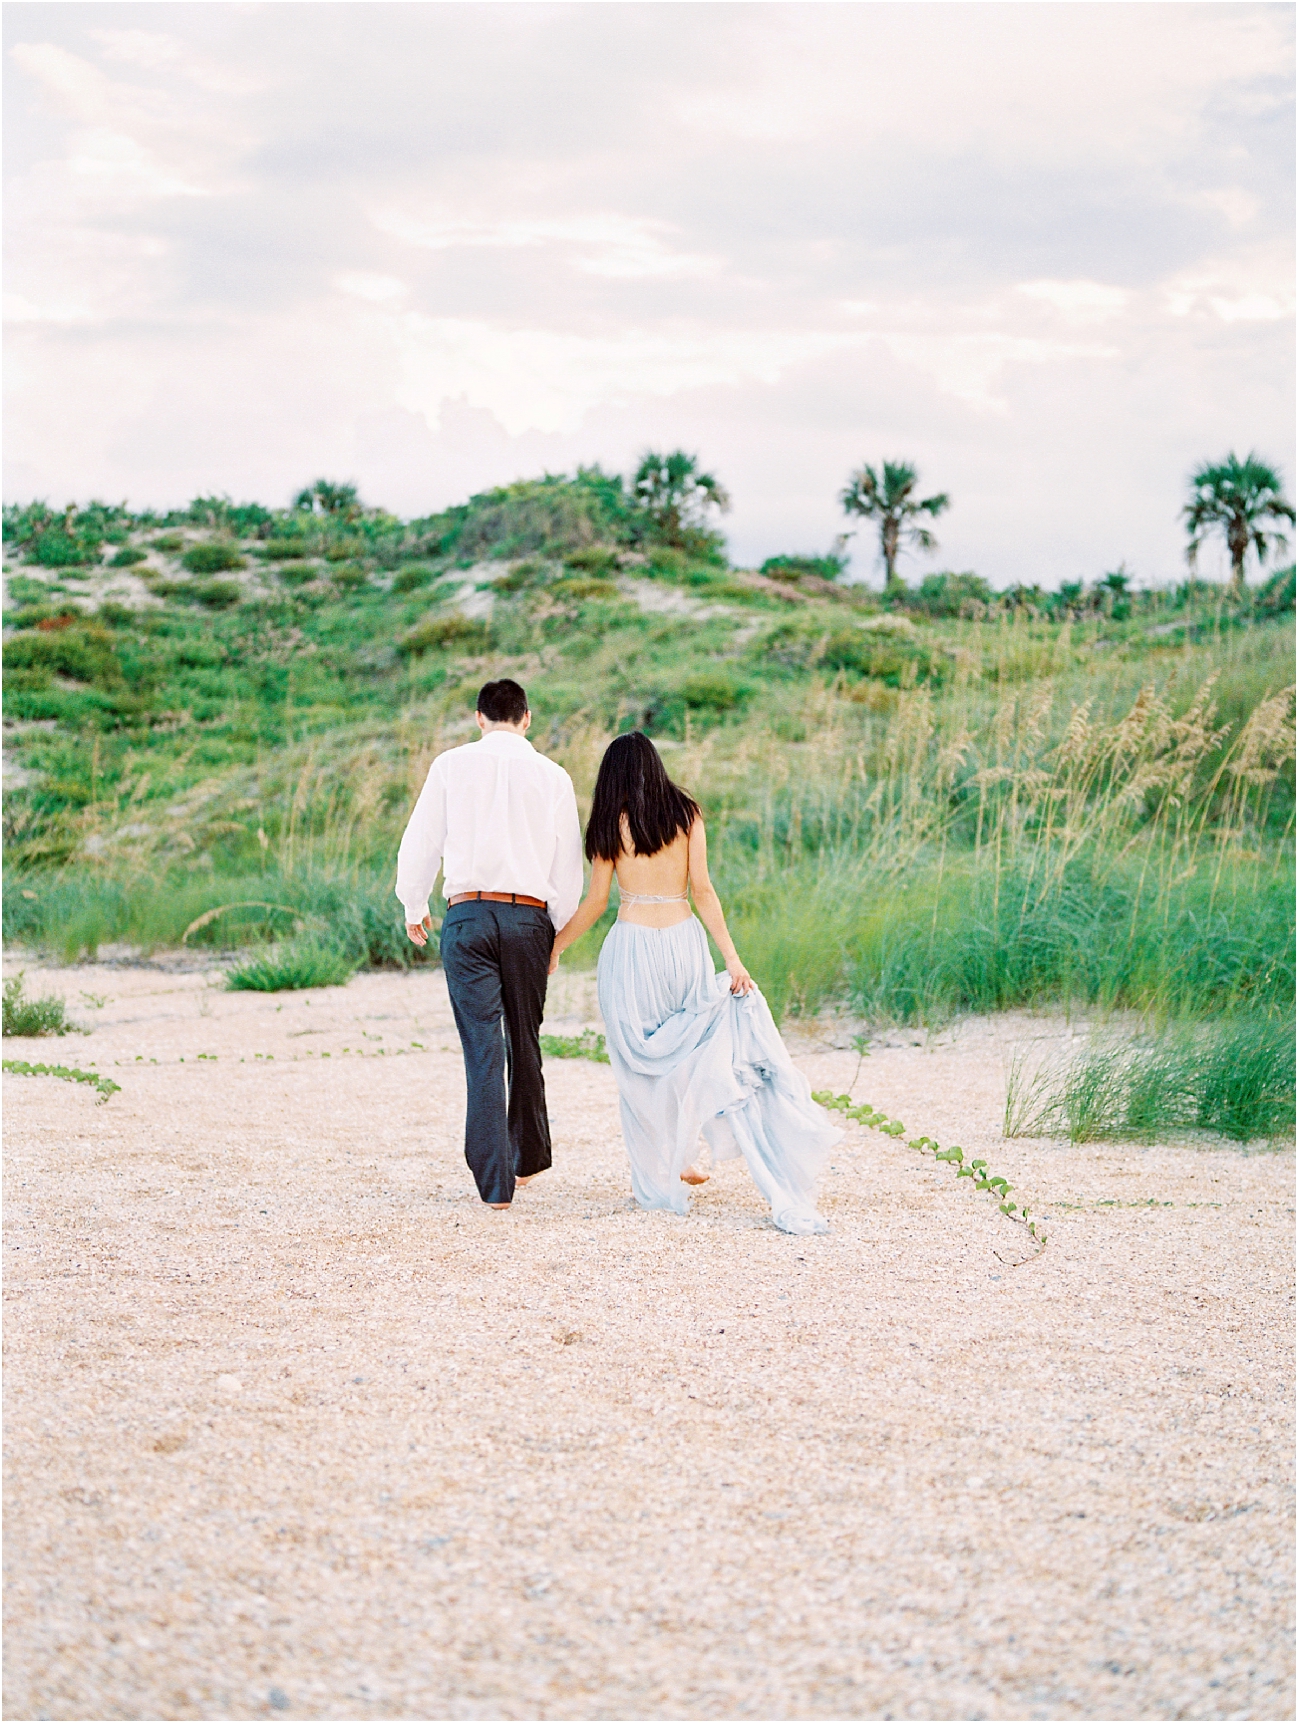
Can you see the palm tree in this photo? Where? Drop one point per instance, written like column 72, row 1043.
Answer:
column 1242, row 498
column 891, row 501
column 675, row 494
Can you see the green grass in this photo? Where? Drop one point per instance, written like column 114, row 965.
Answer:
column 950, row 938
column 587, row 1045
column 286, row 968
column 1233, row 1076
column 23, row 1016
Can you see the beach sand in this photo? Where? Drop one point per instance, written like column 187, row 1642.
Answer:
column 296, row 1428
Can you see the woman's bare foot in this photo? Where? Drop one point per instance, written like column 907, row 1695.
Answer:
column 695, row 1176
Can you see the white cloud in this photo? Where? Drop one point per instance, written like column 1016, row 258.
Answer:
column 548, row 380
column 122, row 163
column 970, row 367
column 1078, row 301
column 148, row 48
column 19, row 309
column 601, row 244
column 378, row 289
column 1239, row 207
column 1252, row 287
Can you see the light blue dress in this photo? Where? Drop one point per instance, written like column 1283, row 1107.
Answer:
column 690, row 1056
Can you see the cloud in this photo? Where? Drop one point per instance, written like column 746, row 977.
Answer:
column 378, row 289
column 609, row 244
column 546, row 380
column 1037, row 249
column 1251, row 287
column 1078, row 301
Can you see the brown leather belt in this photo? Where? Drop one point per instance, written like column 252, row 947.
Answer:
column 497, row 897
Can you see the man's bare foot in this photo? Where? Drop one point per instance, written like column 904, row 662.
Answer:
column 498, row 1205
column 524, row 1178
column 695, row 1176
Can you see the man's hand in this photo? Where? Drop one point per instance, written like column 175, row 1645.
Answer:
column 418, row 931
column 555, row 954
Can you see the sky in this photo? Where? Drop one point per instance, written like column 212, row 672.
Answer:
column 1043, row 251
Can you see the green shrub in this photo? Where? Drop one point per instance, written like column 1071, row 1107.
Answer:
column 464, row 633
column 948, row 594
column 300, row 963
column 593, row 559
column 212, row 594
column 795, row 568
column 576, row 588
column 127, row 558
column 896, row 662
column 285, row 549
column 715, row 691
column 46, row 617
column 350, row 576
column 24, row 1016
column 297, row 573
column 553, row 516
column 412, row 578
column 169, row 543
column 1276, row 596
column 84, row 653
column 55, row 548
column 217, row 594
column 667, row 563
column 24, row 590
column 212, row 558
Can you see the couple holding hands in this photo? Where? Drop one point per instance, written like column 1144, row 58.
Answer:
column 693, row 1052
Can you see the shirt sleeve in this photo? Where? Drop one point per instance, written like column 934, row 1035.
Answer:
column 422, row 844
column 565, row 871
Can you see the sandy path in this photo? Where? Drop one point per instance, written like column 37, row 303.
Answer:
column 295, row 1427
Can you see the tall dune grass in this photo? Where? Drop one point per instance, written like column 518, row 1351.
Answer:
column 1109, row 842
column 1233, row 1076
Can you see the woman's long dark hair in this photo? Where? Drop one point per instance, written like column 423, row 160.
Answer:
column 633, row 781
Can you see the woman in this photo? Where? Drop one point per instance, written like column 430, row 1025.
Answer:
column 691, row 1050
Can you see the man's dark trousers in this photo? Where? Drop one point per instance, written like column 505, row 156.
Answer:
column 497, row 957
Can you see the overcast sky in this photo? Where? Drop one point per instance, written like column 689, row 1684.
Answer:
column 1042, row 250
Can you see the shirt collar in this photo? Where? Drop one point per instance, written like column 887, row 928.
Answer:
column 504, row 739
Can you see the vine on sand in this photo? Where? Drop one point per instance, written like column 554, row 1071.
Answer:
column 863, row 1113
column 69, row 1074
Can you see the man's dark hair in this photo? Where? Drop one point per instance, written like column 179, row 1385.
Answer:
column 502, row 702
column 633, row 785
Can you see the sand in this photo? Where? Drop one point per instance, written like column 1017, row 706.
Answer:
column 296, row 1427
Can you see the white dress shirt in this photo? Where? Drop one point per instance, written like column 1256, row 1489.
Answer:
column 495, row 816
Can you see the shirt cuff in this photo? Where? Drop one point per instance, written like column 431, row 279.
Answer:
column 415, row 916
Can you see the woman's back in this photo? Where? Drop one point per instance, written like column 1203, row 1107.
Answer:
column 664, row 874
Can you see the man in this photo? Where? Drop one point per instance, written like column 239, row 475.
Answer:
column 501, row 821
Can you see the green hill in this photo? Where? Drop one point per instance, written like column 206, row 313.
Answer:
column 217, row 719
